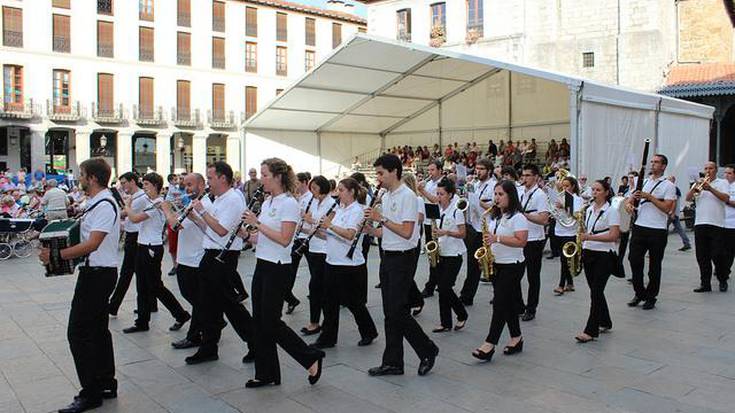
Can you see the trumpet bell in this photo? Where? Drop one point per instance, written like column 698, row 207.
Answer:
column 462, row 204
column 569, row 249
column 431, row 247
column 480, row 253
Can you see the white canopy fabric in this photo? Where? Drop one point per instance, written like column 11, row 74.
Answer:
column 372, row 93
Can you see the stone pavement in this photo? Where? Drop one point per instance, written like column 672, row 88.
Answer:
column 678, row 358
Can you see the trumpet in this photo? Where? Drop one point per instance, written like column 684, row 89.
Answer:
column 484, row 255
column 188, row 210
column 699, row 186
column 432, row 247
column 572, row 250
column 257, row 195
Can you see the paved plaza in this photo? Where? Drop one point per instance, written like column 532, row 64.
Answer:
column 679, row 357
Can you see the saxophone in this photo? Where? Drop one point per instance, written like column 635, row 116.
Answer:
column 432, row 247
column 484, row 255
column 572, row 250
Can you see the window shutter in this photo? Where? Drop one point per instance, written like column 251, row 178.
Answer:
column 145, row 96
column 251, row 101
column 336, row 35
column 310, row 32
column 251, row 22
column 183, row 97
column 218, row 100
column 184, row 13
column 281, row 27
column 105, row 92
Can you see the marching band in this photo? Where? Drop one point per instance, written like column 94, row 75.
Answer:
column 501, row 228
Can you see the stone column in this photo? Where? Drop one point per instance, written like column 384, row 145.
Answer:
column 163, row 154
column 124, row 152
column 199, row 154
column 38, row 148
column 81, row 148
column 232, row 146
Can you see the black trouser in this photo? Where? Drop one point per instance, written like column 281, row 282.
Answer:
column 88, row 332
column 395, row 281
column 150, row 286
column 565, row 275
column 447, row 272
column 598, row 266
column 622, row 248
column 473, row 241
column 430, row 285
column 507, row 283
column 343, row 285
column 218, row 296
column 415, row 299
column 728, row 251
column 533, row 254
column 554, row 244
column 126, row 271
column 709, row 243
column 189, row 284
column 295, row 261
column 652, row 241
column 270, row 282
column 316, row 261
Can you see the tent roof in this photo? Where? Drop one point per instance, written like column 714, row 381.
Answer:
column 374, row 85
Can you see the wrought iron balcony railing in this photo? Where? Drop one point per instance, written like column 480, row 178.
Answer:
column 108, row 113
column 185, row 117
column 61, row 44
column 12, row 38
column 71, row 113
column 146, row 115
column 13, row 110
column 221, row 119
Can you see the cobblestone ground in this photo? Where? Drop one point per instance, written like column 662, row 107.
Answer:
column 679, row 357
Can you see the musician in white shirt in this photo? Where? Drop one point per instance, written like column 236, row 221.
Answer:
column 88, row 332
column 507, row 237
column 345, row 278
column 305, row 199
column 427, row 189
column 571, row 202
column 415, row 298
column 599, row 243
column 709, row 223
column 148, row 281
column 729, row 231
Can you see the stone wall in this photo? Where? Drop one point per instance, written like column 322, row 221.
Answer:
column 706, row 32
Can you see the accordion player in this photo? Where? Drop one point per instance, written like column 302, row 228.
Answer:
column 56, row 236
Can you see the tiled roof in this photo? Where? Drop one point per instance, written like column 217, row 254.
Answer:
column 700, row 80
column 287, row 5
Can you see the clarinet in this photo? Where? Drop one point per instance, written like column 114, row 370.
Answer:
column 374, row 201
column 188, row 210
column 302, row 248
column 298, row 242
column 256, row 197
column 639, row 183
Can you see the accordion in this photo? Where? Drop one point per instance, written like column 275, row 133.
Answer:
column 56, row 236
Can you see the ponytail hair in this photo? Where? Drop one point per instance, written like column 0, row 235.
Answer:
column 279, row 168
column 357, row 190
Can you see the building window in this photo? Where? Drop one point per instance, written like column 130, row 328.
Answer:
column 145, row 98
column 13, row 87
column 251, row 57
column 218, row 52
column 183, row 100
column 62, row 4
column 218, row 16
column 475, row 18
column 251, row 101
column 183, row 13
column 105, row 94
column 310, row 32
column 588, row 59
column 12, row 27
column 309, row 60
column 279, row 91
column 61, row 91
column 281, row 27
column 145, row 39
column 403, row 22
column 438, row 22
column 61, row 41
column 218, row 102
column 183, row 48
column 105, row 42
column 251, row 22
column 362, row 29
column 281, row 61
column 104, row 7
column 145, row 8
column 336, row 35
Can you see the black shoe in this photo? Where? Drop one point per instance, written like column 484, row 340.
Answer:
column 249, row 358
column 634, row 302
column 198, row 358
column 703, row 289
column 320, row 345
column 112, row 312
column 427, row 293
column 649, row 305
column 292, row 306
column 428, row 363
column 723, row 286
column 384, row 370
column 685, row 248
column 255, row 383
column 178, row 324
column 172, row 272
column 417, row 310
column 185, row 343
column 551, row 257
column 135, row 329
column 481, row 355
column 81, row 404
column 315, row 378
column 528, row 315
column 378, row 285
column 109, row 391
column 366, row 341
column 509, row 350
column 442, row 330
column 305, row 331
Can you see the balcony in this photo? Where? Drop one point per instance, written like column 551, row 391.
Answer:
column 146, row 55
column 108, row 114
column 218, row 24
column 149, row 116
column 183, row 19
column 71, row 113
column 218, row 62
column 61, row 44
column 104, row 7
column 183, row 59
column 105, row 50
column 185, row 117
column 12, row 38
column 220, row 119
column 22, row 111
column 404, row 36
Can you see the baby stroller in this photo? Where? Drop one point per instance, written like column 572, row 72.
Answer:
column 15, row 237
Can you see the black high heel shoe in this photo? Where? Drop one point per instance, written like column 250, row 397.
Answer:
column 482, row 355
column 509, row 350
column 315, row 378
column 255, row 383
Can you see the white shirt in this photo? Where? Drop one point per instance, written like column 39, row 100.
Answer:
column 561, row 231
column 507, row 227
column 710, row 209
column 137, row 204
column 151, row 230
column 304, row 200
column 451, row 220
column 189, row 250
column 730, row 211
column 399, row 206
column 349, row 217
column 274, row 212
column 421, row 208
column 227, row 209
column 599, row 221
column 318, row 210
column 485, row 193
column 55, row 200
column 648, row 215
column 102, row 218
column 534, row 201
column 431, row 186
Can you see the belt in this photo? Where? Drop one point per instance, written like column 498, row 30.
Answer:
column 411, row 251
column 87, row 268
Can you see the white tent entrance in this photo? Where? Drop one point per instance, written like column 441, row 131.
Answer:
column 374, row 93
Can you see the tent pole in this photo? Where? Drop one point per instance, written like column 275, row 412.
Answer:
column 319, row 150
column 510, row 105
column 441, row 133
column 575, row 99
column 655, row 132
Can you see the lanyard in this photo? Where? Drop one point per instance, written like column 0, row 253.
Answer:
column 592, row 229
column 529, row 200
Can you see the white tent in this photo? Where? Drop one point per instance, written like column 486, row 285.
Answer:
column 373, row 93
